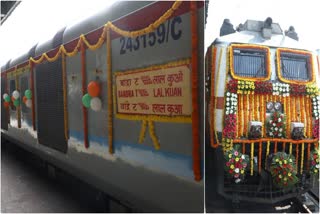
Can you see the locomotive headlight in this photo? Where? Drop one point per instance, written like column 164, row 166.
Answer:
column 277, row 106
column 297, row 130
column 270, row 106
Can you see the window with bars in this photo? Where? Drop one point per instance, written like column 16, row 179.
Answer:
column 249, row 62
column 295, row 66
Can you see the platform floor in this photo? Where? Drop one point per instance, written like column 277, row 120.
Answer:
column 26, row 187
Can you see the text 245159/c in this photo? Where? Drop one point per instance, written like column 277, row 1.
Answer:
column 165, row 32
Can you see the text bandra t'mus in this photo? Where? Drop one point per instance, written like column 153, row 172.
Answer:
column 157, row 92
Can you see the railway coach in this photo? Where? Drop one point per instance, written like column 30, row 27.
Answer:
column 115, row 101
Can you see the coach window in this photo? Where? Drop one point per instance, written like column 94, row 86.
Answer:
column 12, row 88
column 294, row 66
column 23, row 88
column 249, row 62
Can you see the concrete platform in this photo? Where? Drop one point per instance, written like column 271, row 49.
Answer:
column 26, row 187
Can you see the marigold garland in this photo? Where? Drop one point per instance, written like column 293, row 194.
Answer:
column 216, row 93
column 245, row 115
column 268, row 149
column 260, row 156
column 240, row 115
column 251, row 159
column 153, row 135
column 143, row 131
column 213, row 100
column 302, row 110
column 302, row 158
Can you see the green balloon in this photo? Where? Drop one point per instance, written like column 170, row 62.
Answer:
column 16, row 103
column 7, row 99
column 28, row 94
column 86, row 100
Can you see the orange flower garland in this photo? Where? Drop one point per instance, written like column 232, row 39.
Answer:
column 268, row 149
column 260, row 156
column 251, row 159
column 212, row 99
column 240, row 115
column 302, row 157
column 302, row 110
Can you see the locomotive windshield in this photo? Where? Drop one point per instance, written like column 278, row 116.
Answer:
column 295, row 66
column 249, row 62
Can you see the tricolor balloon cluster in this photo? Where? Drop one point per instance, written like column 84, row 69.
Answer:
column 15, row 99
column 27, row 98
column 91, row 99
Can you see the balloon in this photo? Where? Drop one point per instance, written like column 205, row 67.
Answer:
column 28, row 94
column 16, row 94
column 6, row 104
column 29, row 103
column 86, row 100
column 5, row 95
column 16, row 103
column 12, row 99
column 24, row 99
column 7, row 99
column 95, row 104
column 94, row 89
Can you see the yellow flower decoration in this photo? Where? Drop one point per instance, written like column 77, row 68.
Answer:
column 231, row 166
column 237, row 159
column 289, row 174
column 230, row 155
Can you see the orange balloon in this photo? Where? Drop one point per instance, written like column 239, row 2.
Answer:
column 94, row 89
column 24, row 99
column 12, row 99
column 6, row 104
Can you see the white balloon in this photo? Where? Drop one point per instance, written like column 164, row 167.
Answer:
column 95, row 104
column 28, row 103
column 5, row 95
column 16, row 94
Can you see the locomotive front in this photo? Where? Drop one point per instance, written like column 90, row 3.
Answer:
column 263, row 107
